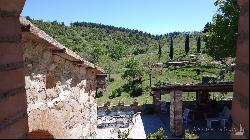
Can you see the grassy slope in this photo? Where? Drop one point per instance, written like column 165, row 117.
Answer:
column 82, row 39
column 171, row 75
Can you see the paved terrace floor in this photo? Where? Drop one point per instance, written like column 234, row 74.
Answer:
column 200, row 128
column 146, row 124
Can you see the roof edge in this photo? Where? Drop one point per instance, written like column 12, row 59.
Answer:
column 27, row 26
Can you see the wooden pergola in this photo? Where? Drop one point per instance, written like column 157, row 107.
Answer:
column 175, row 91
column 218, row 87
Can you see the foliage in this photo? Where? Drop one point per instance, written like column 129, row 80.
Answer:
column 133, row 70
column 198, row 44
column 91, row 41
column 137, row 89
column 111, row 79
column 116, row 93
column 221, row 35
column 187, row 44
column 107, row 64
column 99, row 93
column 111, row 47
column 157, row 135
column 116, row 52
column 124, row 135
column 171, row 53
column 133, row 74
column 159, row 52
column 190, row 135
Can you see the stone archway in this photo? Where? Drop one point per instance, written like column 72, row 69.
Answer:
column 46, row 123
column 40, row 134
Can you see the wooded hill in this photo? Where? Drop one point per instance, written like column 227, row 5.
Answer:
column 92, row 40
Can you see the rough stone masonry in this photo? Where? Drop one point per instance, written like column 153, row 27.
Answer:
column 60, row 91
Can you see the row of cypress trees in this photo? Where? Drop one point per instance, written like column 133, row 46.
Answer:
column 187, row 47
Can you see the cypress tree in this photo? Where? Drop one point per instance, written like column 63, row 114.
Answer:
column 199, row 44
column 171, row 53
column 187, row 44
column 159, row 51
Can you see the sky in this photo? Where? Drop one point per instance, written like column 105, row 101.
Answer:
column 152, row 16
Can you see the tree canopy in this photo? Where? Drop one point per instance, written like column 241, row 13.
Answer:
column 221, row 35
column 171, row 53
column 198, row 44
column 187, row 44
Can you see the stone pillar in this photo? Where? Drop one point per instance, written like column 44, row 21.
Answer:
column 240, row 103
column 157, row 101
column 176, row 122
column 202, row 97
column 13, row 103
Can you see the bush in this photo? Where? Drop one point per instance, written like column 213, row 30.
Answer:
column 123, row 135
column 137, row 90
column 190, row 135
column 111, row 80
column 157, row 135
column 119, row 92
column 99, row 93
column 116, row 93
column 113, row 95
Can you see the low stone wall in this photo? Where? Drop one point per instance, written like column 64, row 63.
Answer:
column 193, row 103
column 135, row 108
column 141, row 108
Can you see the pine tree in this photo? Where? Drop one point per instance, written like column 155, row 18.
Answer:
column 187, row 44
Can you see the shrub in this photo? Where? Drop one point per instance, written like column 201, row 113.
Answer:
column 116, row 93
column 119, row 92
column 136, row 90
column 123, row 135
column 111, row 80
column 113, row 95
column 99, row 93
column 190, row 135
column 157, row 135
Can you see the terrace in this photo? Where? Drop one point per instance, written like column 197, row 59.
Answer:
column 141, row 124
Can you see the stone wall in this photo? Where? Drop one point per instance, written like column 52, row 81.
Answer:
column 13, row 104
column 124, row 108
column 60, row 94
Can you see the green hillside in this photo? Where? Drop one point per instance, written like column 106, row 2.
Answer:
column 114, row 48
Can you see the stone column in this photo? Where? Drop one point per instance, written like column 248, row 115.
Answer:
column 203, row 97
column 157, row 101
column 13, row 103
column 240, row 103
column 176, row 122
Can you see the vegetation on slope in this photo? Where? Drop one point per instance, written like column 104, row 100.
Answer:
column 129, row 56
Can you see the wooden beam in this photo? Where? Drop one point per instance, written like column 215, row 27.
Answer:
column 227, row 87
